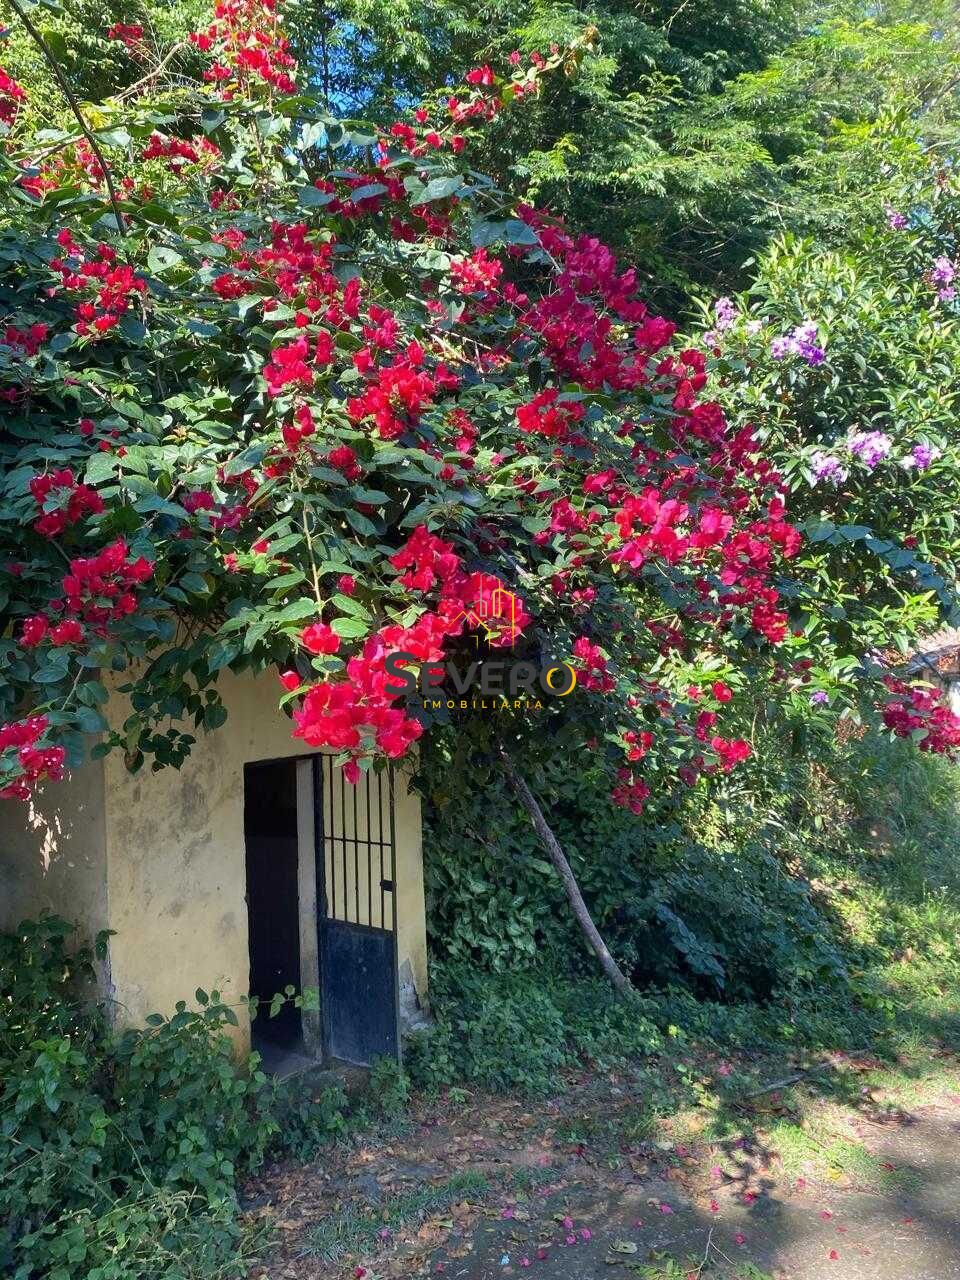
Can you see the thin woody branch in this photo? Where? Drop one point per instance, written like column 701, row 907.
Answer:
column 580, row 910
column 38, row 39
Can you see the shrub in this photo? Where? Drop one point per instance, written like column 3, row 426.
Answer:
column 681, row 895
column 157, row 1235
column 121, row 1147
column 518, row 1030
column 812, row 899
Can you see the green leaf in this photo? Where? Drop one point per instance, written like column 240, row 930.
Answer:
column 349, row 628
column 101, row 467
column 296, row 611
column 311, row 198
column 518, row 232
column 367, row 191
column 441, row 188
column 91, row 721
column 161, row 259
column 347, row 604
column 484, row 233
column 361, row 523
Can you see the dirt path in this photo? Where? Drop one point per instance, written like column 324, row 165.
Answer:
column 791, row 1185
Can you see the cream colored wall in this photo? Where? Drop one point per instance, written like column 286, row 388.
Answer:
column 176, row 870
column 411, row 911
column 53, row 853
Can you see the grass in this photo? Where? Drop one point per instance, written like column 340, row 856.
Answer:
column 814, row 1151
column 874, row 832
column 357, row 1230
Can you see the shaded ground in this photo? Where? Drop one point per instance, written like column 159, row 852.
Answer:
column 847, row 1171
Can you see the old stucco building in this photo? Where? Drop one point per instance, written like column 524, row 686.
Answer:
column 937, row 660
column 253, row 867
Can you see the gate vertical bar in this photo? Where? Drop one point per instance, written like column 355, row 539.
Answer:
column 323, row 904
column 369, row 859
column 343, row 845
column 356, row 852
column 383, row 890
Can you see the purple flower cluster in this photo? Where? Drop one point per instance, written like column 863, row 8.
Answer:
column 870, row 447
column 826, row 467
column 725, row 312
column 803, row 342
column 942, row 273
column 895, row 221
column 921, row 456
column 943, row 270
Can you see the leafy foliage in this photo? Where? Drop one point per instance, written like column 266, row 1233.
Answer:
column 693, row 135
column 866, row 437
column 518, row 1030
column 220, row 465
column 122, row 1151
column 716, row 915
column 298, row 415
column 825, row 888
column 103, row 49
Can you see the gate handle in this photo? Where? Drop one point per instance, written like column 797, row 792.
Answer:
column 387, row 885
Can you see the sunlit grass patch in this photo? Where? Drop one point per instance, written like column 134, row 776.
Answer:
column 359, row 1229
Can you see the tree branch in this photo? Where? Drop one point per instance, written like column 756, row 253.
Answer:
column 64, row 84
column 131, row 89
column 526, row 797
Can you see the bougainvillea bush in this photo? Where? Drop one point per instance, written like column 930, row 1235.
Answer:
column 281, row 391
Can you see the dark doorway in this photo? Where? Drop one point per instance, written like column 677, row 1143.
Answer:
column 273, row 906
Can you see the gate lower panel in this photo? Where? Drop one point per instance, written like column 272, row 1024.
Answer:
column 359, row 992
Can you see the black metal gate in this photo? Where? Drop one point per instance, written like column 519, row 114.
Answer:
column 356, row 868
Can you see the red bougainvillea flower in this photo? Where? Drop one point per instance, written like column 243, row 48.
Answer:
column 34, row 762
column 465, row 446
column 319, row 638
column 130, row 33
column 63, row 501
column 12, row 95
column 919, row 707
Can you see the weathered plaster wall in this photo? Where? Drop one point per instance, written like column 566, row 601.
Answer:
column 53, row 853
column 176, row 865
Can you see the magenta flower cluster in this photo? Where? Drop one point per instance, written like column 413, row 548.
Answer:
column 921, row 456
column 871, row 447
column 829, row 468
column 895, row 221
column 725, row 316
